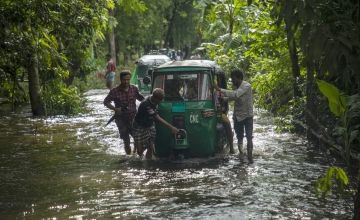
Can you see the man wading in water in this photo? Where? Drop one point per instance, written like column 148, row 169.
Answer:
column 243, row 110
column 124, row 96
column 144, row 123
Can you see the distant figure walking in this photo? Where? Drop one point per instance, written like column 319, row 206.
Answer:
column 110, row 72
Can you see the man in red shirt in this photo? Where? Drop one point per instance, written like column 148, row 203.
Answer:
column 110, row 72
column 124, row 97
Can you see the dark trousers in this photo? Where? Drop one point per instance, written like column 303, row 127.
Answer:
column 244, row 125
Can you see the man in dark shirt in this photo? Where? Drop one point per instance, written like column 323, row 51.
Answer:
column 144, row 131
column 124, row 96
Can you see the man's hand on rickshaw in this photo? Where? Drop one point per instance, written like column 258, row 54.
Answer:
column 174, row 130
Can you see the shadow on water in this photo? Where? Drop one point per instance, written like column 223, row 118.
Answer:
column 75, row 167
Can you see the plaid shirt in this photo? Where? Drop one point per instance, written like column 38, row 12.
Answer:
column 123, row 98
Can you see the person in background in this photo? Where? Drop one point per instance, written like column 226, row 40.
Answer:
column 124, row 97
column 110, row 72
column 243, row 110
column 172, row 90
column 172, row 55
column 144, row 131
column 179, row 55
column 223, row 105
column 191, row 89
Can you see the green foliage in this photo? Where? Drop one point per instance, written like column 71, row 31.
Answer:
column 171, row 23
column 350, row 129
column 329, row 33
column 336, row 98
column 226, row 25
column 347, row 108
column 287, row 113
column 258, row 47
column 284, row 123
column 131, row 6
column 227, row 60
column 335, row 177
column 130, row 32
column 60, row 99
column 274, row 88
column 269, row 66
column 182, row 18
column 92, row 81
column 58, row 33
column 227, row 16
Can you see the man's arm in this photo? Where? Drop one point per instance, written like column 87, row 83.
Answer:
column 139, row 96
column 173, row 129
column 235, row 94
column 107, row 103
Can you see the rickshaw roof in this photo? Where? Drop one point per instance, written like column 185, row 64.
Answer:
column 190, row 64
column 153, row 59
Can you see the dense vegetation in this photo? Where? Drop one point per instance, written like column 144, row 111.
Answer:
column 302, row 57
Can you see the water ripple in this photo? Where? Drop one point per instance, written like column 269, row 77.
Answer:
column 76, row 168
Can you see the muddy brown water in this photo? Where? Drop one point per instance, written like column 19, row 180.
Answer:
column 76, row 168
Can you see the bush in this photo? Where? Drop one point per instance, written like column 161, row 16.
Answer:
column 60, row 99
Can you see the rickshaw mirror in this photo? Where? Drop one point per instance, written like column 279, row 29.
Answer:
column 146, row 80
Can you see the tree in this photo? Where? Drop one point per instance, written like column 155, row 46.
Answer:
column 128, row 6
column 45, row 33
column 331, row 47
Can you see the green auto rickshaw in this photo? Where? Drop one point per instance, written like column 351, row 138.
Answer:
column 190, row 105
column 143, row 66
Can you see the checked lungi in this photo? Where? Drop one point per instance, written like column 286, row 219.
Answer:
column 143, row 136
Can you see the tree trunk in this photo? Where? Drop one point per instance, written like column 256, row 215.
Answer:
column 112, row 40
column 126, row 56
column 37, row 104
column 169, row 40
column 294, row 61
column 231, row 20
column 357, row 201
column 95, row 52
column 310, row 100
column 74, row 71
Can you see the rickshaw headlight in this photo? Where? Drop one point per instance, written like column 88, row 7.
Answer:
column 181, row 134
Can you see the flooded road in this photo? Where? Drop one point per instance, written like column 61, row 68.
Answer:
column 76, row 168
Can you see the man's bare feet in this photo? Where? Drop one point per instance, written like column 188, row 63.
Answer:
column 127, row 149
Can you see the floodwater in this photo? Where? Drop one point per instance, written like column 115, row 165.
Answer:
column 76, row 168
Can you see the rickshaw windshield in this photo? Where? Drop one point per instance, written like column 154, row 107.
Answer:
column 184, row 86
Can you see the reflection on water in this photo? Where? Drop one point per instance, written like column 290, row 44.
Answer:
column 75, row 167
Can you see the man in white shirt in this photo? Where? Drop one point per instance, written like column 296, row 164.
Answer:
column 243, row 110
